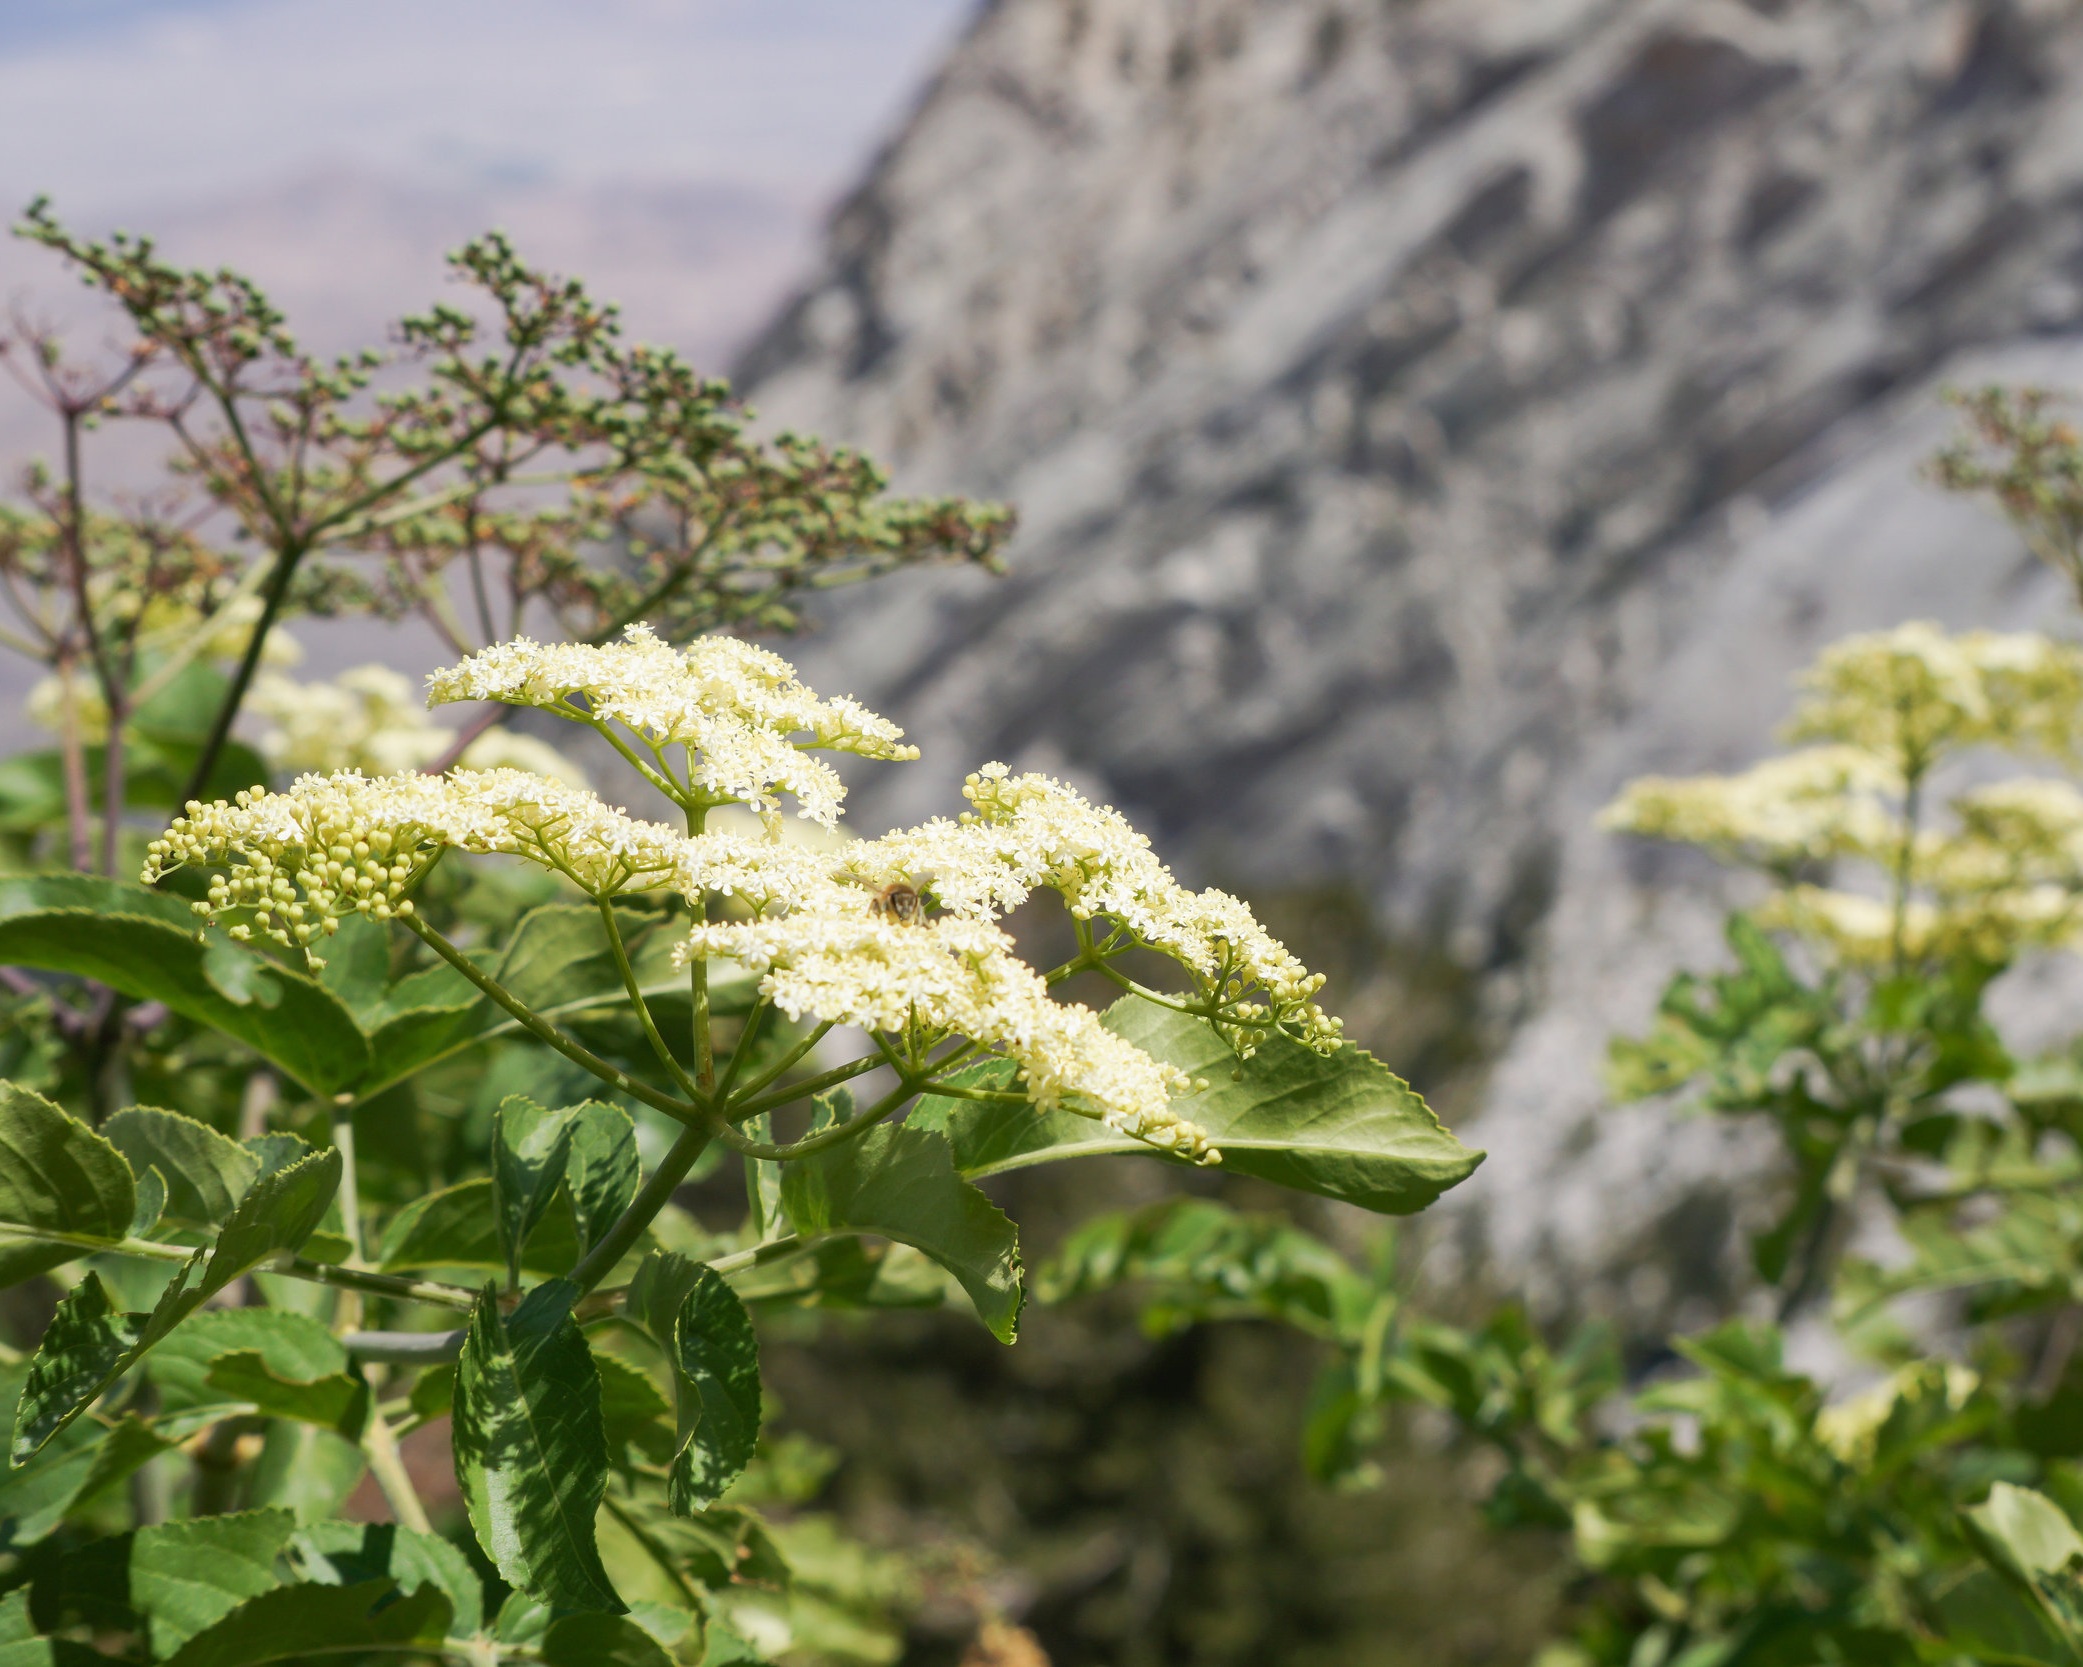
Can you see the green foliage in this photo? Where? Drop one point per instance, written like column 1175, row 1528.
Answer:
column 286, row 1212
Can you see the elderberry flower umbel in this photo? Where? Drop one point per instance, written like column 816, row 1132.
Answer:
column 2002, row 874
column 722, row 722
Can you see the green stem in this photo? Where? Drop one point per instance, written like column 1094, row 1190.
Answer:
column 636, row 1000
column 679, row 1111
column 428, row 1291
column 802, row 1090
column 787, row 1062
column 387, row 1465
column 643, row 1209
column 852, row 1129
column 747, row 1036
column 350, row 1192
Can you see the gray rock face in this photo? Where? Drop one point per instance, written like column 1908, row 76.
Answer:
column 1425, row 416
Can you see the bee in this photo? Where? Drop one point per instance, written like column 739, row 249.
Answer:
column 900, row 901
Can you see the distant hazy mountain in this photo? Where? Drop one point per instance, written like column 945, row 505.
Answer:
column 1426, row 416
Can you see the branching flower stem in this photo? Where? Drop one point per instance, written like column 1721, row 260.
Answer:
column 642, row 1008
column 681, row 1111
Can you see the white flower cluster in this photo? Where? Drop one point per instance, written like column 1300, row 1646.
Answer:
column 1030, row 832
column 369, row 719
column 958, row 976
column 812, row 917
column 745, row 720
column 298, row 861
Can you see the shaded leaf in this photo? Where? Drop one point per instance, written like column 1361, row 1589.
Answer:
column 603, row 1168
column 708, row 1341
column 600, row 1641
column 335, row 1402
column 123, row 936
column 350, row 1553
column 206, row 1173
column 531, row 1148
column 633, row 1411
column 456, row 1228
column 294, row 1622
column 56, row 1176
column 531, row 1448
column 186, row 1576
column 901, row 1182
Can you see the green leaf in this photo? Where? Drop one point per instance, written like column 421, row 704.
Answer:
column 600, row 1641
column 709, row 1342
column 603, row 1169
column 206, row 1173
column 336, row 1402
column 293, row 1623
column 900, row 1182
column 531, row 1148
column 279, row 1212
column 125, row 936
column 2027, row 1536
column 56, row 1176
column 1989, row 1618
column 306, row 1470
column 72, row 1472
column 76, row 1363
column 1342, row 1126
column 20, row 1647
column 1207, row 1261
column 456, row 1228
column 633, row 1411
column 531, row 1447
column 187, row 1576
column 409, row 1022
column 293, row 1347
column 349, row 1553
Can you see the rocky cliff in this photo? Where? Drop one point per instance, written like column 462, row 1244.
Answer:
column 1426, row 414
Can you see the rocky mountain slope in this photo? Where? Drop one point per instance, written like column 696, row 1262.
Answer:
column 1425, row 415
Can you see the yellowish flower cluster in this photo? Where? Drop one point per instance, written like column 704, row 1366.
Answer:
column 1888, row 706
column 1029, row 832
column 958, row 976
column 297, row 862
column 368, row 719
column 745, row 720
column 1806, row 806
column 1910, row 695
